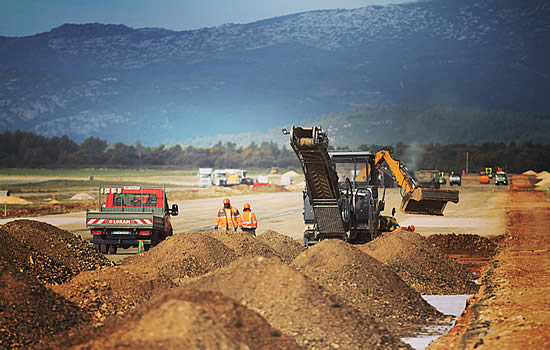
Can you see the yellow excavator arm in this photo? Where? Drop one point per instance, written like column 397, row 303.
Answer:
column 416, row 200
column 402, row 178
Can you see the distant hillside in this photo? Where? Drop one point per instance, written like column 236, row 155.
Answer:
column 387, row 125
column 161, row 86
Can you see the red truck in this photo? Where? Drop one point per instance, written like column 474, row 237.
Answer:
column 128, row 215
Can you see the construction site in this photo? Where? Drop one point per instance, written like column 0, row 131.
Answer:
column 338, row 261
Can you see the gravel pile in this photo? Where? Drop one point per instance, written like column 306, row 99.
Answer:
column 30, row 311
column 113, row 290
column 421, row 265
column 185, row 319
column 185, row 255
column 287, row 247
column 243, row 244
column 61, row 247
column 295, row 304
column 368, row 285
column 30, row 262
column 465, row 243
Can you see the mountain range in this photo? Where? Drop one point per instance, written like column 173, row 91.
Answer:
column 237, row 81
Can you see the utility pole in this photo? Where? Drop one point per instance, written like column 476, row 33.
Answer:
column 467, row 156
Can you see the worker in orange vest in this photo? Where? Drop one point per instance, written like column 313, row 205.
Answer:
column 249, row 221
column 229, row 218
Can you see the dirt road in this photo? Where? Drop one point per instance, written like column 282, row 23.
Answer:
column 481, row 210
column 512, row 309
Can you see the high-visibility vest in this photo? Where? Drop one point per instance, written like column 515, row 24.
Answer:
column 229, row 218
column 249, row 220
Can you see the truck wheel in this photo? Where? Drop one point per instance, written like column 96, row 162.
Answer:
column 146, row 247
column 112, row 249
column 97, row 247
column 103, row 248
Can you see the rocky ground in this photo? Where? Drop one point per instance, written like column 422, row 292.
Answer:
column 512, row 308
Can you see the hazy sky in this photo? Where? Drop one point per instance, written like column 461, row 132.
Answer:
column 27, row 17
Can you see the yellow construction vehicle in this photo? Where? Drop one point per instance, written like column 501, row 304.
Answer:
column 341, row 199
column 416, row 200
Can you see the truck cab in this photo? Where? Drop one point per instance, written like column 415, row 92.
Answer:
column 501, row 178
column 205, row 177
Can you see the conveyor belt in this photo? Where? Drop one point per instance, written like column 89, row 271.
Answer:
column 311, row 147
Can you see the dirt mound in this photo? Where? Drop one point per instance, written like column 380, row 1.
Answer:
column 421, row 265
column 296, row 188
column 243, row 244
column 291, row 173
column 30, row 311
column 13, row 200
column 270, row 188
column 82, row 196
column 529, row 172
column 465, row 243
column 143, row 276
column 471, row 251
column 287, row 247
column 185, row 255
column 51, row 209
column 186, row 319
column 240, row 187
column 32, row 263
column 368, row 285
column 60, row 246
column 296, row 305
column 113, row 290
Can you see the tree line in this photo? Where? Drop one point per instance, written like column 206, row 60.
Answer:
column 21, row 149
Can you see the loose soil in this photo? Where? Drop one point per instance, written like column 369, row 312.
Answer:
column 421, row 265
column 184, row 319
column 244, row 244
column 368, row 285
column 296, row 305
column 114, row 290
column 68, row 254
column 13, row 200
column 30, row 311
column 30, row 262
column 287, row 247
column 471, row 251
column 50, row 209
column 185, row 255
column 512, row 309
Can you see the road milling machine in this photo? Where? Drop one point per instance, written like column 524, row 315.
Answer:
column 341, row 198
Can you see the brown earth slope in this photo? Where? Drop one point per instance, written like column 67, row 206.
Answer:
column 183, row 319
column 287, row 247
column 368, row 285
column 296, row 305
column 185, row 255
column 30, row 311
column 60, row 246
column 512, row 309
column 421, row 265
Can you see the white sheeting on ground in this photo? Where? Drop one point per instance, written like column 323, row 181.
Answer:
column 449, row 305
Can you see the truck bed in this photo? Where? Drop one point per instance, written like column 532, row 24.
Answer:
column 127, row 219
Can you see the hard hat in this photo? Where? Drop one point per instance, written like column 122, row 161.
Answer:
column 411, row 228
column 246, row 206
column 226, row 201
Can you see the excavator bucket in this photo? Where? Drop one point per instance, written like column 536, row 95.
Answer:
column 428, row 201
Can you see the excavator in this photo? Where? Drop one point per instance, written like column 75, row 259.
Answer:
column 341, row 198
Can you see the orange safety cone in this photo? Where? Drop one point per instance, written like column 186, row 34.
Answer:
column 140, row 246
